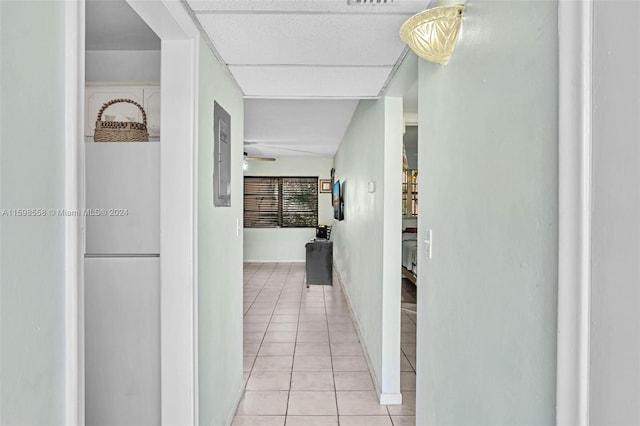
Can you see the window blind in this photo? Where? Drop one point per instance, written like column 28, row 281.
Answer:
column 299, row 202
column 261, row 202
column 288, row 202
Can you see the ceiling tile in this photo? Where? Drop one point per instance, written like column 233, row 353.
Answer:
column 297, row 120
column 299, row 82
column 305, row 39
column 311, row 59
column 296, row 127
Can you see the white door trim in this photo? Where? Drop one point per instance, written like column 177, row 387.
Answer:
column 178, row 214
column 575, row 25
column 74, row 201
column 389, row 380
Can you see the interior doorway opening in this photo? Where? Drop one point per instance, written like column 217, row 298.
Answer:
column 409, row 277
column 122, row 247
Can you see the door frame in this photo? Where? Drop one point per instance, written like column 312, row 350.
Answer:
column 178, row 214
column 179, row 393
column 74, row 200
column 575, row 47
column 180, row 40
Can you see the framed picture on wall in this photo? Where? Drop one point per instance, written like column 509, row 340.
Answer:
column 333, row 180
column 338, row 201
column 325, row 185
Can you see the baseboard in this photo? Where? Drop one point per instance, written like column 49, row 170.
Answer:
column 390, row 398
column 384, row 398
column 273, row 261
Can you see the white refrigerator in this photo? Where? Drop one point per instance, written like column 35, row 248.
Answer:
column 122, row 283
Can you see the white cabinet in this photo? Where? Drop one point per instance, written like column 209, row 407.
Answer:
column 147, row 96
column 122, row 272
column 123, row 190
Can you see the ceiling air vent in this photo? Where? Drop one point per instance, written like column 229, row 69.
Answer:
column 366, row 2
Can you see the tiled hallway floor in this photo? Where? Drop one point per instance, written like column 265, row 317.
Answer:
column 303, row 361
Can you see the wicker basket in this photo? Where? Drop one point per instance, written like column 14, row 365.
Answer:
column 120, row 131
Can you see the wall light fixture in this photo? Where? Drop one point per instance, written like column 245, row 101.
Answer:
column 432, row 34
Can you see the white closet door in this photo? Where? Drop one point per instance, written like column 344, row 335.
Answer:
column 122, row 341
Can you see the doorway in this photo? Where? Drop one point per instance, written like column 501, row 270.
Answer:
column 409, row 277
column 408, row 322
column 122, row 239
column 172, row 341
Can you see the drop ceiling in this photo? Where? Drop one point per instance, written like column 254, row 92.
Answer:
column 292, row 49
column 302, row 65
column 296, row 127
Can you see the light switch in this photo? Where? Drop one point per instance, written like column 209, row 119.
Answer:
column 428, row 244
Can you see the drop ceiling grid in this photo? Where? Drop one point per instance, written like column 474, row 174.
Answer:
column 294, row 49
column 294, row 59
column 308, row 6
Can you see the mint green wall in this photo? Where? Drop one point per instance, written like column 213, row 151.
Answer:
column 219, row 253
column 287, row 244
column 367, row 244
column 32, row 146
column 358, row 251
column 488, row 180
column 405, row 78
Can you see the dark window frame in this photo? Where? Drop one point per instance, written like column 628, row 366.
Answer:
column 280, row 201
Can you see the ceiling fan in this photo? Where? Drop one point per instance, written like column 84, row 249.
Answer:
column 271, row 146
column 254, row 158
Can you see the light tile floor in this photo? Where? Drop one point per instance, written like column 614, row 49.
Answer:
column 303, row 361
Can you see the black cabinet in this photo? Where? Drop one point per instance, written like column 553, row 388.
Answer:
column 319, row 262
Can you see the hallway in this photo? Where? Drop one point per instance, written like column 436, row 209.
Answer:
column 303, row 363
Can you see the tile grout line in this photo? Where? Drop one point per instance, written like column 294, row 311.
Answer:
column 333, row 373
column 289, row 288
column 268, row 323
column 265, row 332
column 295, row 346
column 258, row 294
